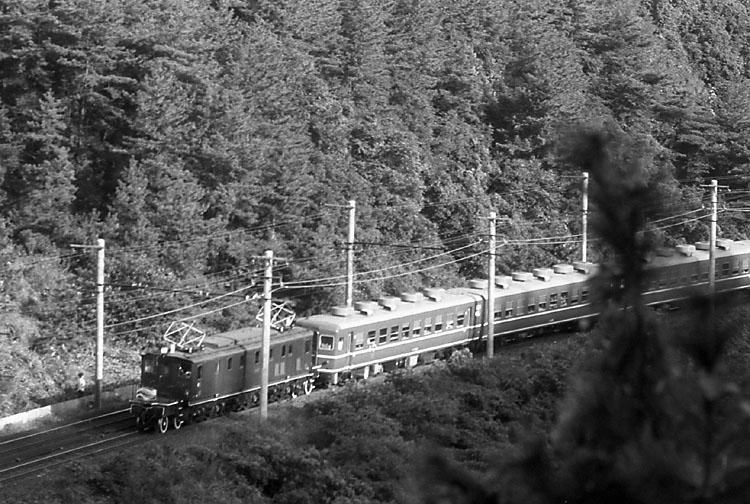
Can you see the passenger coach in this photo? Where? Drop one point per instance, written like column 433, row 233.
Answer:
column 402, row 330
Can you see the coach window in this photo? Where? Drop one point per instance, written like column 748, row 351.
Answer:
column 371, row 338
column 394, row 332
column 289, row 350
column 359, row 340
column 229, row 364
column 218, row 367
column 736, row 267
column 283, row 350
column 725, row 269
column 270, row 354
column 326, row 342
column 417, row 328
column 542, row 303
column 460, row 318
column 200, row 372
column 257, row 357
column 532, row 308
column 438, row 323
column 745, row 266
column 509, row 309
column 428, row 326
column 243, row 360
column 307, row 349
column 383, row 336
column 584, row 295
column 405, row 331
column 574, row 296
column 552, row 301
column 449, row 322
column 563, row 299
column 341, row 343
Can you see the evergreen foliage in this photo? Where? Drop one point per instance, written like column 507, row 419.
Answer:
column 192, row 136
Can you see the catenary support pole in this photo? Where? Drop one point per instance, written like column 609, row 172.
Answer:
column 99, row 323
column 350, row 256
column 712, row 238
column 99, row 318
column 491, row 290
column 584, row 217
column 266, row 342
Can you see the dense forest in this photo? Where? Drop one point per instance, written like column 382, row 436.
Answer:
column 194, row 135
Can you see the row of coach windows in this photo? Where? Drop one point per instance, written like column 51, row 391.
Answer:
column 556, row 300
column 674, row 278
column 405, row 330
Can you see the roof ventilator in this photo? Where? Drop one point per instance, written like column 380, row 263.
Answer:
column 584, row 267
column 411, row 297
column 477, row 283
column 521, row 276
column 686, row 250
column 365, row 307
column 724, row 243
column 503, row 281
column 544, row 274
column 702, row 245
column 434, row 294
column 389, row 302
column 342, row 311
column 562, row 269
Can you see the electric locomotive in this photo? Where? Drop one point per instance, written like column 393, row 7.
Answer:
column 220, row 373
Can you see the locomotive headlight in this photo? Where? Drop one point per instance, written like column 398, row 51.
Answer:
column 146, row 394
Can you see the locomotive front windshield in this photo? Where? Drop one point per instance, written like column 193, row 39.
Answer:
column 164, row 373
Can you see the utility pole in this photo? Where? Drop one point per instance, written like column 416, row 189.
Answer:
column 584, row 216
column 266, row 342
column 491, row 290
column 99, row 319
column 712, row 238
column 350, row 256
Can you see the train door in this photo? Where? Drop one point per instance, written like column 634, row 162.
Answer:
column 184, row 377
column 479, row 320
column 352, row 345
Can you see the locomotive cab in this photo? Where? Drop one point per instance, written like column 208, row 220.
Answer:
column 164, row 378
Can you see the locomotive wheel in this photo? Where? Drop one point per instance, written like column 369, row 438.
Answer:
column 177, row 422
column 308, row 386
column 162, row 424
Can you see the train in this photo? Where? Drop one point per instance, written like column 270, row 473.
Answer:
column 222, row 372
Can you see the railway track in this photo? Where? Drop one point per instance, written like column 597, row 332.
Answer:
column 29, row 454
